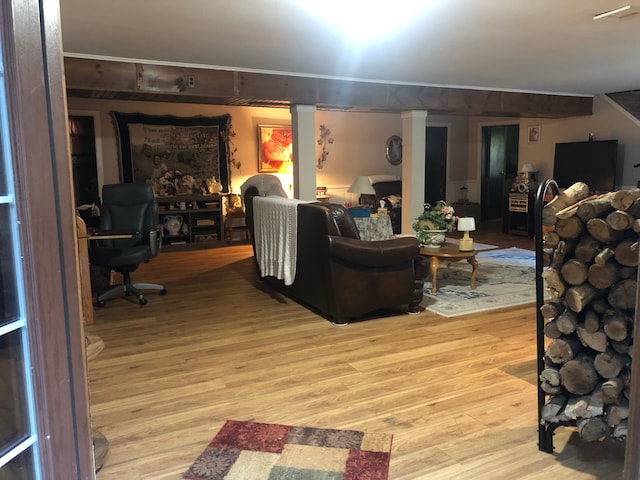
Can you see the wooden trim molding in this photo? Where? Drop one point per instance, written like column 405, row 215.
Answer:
column 105, row 79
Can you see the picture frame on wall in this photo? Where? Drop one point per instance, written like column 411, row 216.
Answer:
column 275, row 146
column 534, row 134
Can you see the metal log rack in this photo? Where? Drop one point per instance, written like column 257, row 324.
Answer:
column 545, row 430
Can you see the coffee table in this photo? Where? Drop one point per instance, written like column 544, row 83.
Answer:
column 449, row 251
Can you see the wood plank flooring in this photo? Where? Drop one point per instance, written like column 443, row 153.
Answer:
column 458, row 394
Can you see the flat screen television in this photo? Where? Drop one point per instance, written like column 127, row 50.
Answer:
column 593, row 163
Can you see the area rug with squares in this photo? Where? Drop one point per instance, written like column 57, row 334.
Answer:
column 506, row 277
column 257, row 451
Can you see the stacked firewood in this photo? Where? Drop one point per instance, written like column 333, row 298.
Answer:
column 590, row 253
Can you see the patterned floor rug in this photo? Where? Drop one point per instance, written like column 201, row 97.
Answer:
column 505, row 278
column 257, row 451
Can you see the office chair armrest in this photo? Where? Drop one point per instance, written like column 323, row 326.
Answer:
column 104, row 238
column 112, row 234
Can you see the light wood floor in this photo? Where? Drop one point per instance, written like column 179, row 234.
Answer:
column 458, row 394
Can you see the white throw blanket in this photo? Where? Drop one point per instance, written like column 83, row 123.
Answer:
column 275, row 221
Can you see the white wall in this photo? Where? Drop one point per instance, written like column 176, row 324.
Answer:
column 608, row 122
column 359, row 140
column 357, row 149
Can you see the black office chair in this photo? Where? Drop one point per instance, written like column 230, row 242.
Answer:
column 129, row 223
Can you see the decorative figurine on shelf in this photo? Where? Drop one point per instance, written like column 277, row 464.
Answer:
column 168, row 182
column 213, row 186
column 187, row 185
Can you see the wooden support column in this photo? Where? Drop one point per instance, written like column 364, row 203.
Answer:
column 414, row 125
column 303, row 118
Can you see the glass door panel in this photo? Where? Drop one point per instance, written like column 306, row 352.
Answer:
column 18, row 439
column 14, row 419
column 8, row 294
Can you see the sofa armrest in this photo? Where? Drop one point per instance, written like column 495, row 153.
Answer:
column 382, row 253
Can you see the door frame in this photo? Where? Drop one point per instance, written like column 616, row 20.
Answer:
column 38, row 124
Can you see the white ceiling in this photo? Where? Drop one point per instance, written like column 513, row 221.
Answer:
column 550, row 46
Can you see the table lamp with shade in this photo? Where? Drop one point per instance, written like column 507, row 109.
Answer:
column 361, row 185
column 466, row 225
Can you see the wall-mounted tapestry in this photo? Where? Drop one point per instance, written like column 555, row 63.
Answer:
column 176, row 155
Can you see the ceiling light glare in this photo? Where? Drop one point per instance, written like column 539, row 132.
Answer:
column 611, row 12
column 364, row 20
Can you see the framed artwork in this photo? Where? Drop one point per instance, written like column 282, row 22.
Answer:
column 534, row 134
column 393, row 150
column 152, row 147
column 275, row 145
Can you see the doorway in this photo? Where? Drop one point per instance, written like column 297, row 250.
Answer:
column 435, row 172
column 499, row 168
column 83, row 157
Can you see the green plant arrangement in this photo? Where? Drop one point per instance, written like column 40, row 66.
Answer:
column 439, row 217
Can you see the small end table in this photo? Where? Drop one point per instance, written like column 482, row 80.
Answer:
column 449, row 251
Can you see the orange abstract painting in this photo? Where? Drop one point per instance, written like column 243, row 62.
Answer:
column 275, row 146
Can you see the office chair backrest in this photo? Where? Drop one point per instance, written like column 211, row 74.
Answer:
column 129, row 207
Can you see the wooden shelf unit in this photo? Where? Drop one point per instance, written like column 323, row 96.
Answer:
column 202, row 216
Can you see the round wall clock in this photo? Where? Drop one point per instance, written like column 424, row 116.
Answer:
column 393, row 149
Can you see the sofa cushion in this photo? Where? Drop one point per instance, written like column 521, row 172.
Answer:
column 343, row 220
column 379, row 253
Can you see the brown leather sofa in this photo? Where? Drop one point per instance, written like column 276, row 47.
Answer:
column 342, row 277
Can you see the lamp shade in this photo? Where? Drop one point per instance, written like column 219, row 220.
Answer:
column 527, row 167
column 362, row 185
column 466, row 224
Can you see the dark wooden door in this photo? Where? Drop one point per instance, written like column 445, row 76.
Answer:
column 435, row 174
column 83, row 157
column 499, row 168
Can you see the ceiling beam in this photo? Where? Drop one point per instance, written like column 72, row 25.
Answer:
column 160, row 83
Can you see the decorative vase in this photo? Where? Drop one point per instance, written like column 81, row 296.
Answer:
column 431, row 238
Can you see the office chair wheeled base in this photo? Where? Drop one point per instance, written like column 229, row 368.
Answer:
column 128, row 289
